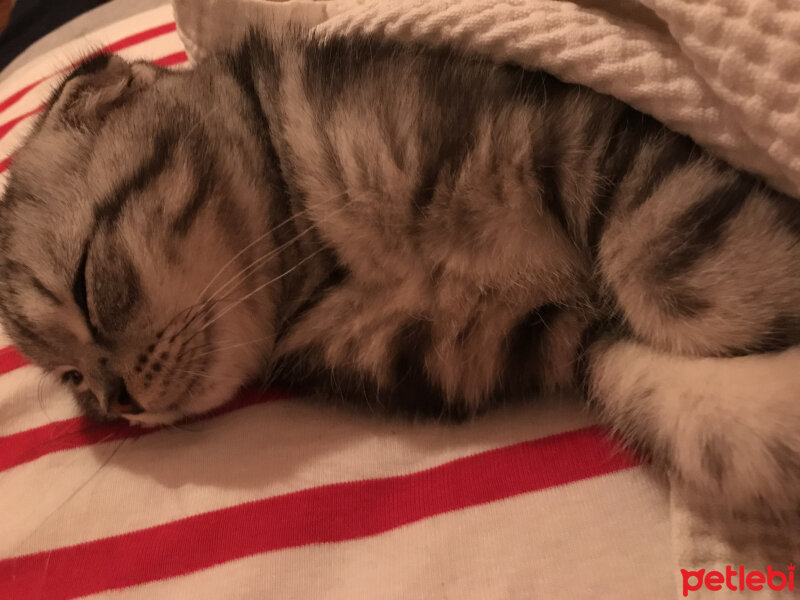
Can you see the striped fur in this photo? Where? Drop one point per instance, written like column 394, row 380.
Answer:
column 413, row 229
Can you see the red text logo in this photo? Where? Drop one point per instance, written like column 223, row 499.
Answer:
column 738, row 579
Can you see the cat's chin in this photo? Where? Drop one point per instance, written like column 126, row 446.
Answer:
column 148, row 420
column 215, row 397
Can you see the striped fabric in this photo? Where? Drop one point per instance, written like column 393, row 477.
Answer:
column 274, row 497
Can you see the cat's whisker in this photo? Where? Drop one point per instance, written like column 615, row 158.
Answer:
column 194, row 373
column 40, row 383
column 74, row 493
column 187, row 310
column 262, row 286
column 198, row 351
column 248, row 270
column 189, row 353
column 259, row 261
column 258, row 288
column 272, row 230
column 201, row 307
column 216, row 348
column 245, row 272
column 250, row 245
column 183, row 428
column 242, row 274
column 201, row 121
column 207, row 375
column 204, row 304
column 251, row 293
column 198, row 307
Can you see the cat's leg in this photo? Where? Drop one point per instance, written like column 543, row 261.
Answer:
column 708, row 264
column 705, row 274
column 726, row 429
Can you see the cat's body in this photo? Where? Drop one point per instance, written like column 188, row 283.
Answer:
column 419, row 229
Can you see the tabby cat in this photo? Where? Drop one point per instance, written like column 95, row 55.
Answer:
column 413, row 228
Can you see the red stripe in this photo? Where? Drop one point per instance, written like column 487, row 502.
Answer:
column 5, row 163
column 28, row 445
column 19, row 94
column 331, row 513
column 171, row 59
column 126, row 42
column 11, row 359
column 142, row 36
column 9, row 125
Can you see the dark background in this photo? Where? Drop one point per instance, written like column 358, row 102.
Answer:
column 33, row 19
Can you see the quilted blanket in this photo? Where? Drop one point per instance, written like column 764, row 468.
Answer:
column 725, row 72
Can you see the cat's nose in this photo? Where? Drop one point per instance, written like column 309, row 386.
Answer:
column 120, row 402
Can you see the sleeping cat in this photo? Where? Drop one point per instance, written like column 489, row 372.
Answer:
column 412, row 228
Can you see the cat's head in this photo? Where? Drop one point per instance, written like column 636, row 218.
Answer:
column 123, row 227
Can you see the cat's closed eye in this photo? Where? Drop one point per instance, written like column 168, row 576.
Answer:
column 72, row 377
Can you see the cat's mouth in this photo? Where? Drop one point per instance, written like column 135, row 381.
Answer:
column 155, row 419
column 120, row 405
column 124, row 404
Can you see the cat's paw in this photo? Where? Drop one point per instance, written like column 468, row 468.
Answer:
column 747, row 464
column 727, row 430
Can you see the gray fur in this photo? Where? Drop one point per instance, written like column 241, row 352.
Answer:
column 420, row 229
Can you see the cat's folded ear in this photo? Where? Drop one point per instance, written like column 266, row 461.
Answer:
column 96, row 87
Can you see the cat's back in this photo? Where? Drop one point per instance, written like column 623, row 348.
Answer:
column 431, row 176
column 404, row 153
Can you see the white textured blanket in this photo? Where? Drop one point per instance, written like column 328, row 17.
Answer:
column 725, row 72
